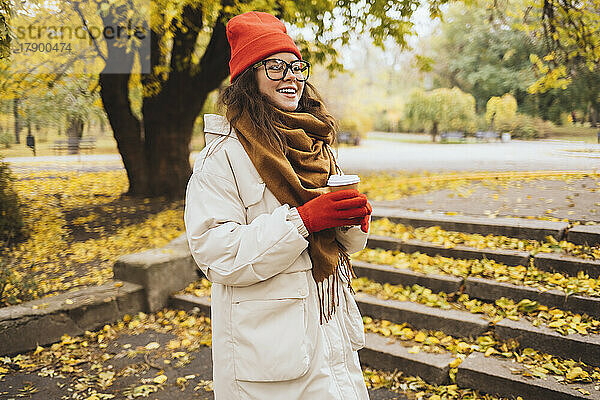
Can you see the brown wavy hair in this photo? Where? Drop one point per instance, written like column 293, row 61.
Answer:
column 243, row 94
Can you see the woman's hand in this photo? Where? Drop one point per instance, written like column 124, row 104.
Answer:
column 340, row 208
column 364, row 223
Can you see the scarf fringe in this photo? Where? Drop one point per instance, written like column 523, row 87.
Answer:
column 327, row 290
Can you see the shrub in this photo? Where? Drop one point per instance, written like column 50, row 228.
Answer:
column 11, row 218
column 501, row 111
column 527, row 127
column 441, row 110
column 358, row 124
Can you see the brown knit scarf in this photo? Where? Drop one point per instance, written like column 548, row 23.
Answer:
column 296, row 178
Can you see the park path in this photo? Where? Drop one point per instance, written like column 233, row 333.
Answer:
column 385, row 152
column 388, row 152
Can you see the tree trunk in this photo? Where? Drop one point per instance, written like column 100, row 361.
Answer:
column 17, row 119
column 167, row 151
column 155, row 151
column 114, row 91
column 594, row 115
column 169, row 116
column 74, row 132
column 126, row 129
column 434, row 131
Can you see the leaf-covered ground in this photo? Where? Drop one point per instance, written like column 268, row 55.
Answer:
column 164, row 355
column 78, row 225
column 554, row 196
column 161, row 356
column 79, row 222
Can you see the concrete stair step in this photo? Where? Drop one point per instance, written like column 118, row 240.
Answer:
column 566, row 264
column 189, row 302
column 511, row 227
column 584, row 348
column 459, row 323
column 406, row 277
column 43, row 321
column 481, row 288
column 508, row 257
column 384, row 353
column 495, row 376
column 486, row 374
column 585, row 234
column 464, row 324
column 452, row 322
column 379, row 352
column 489, row 289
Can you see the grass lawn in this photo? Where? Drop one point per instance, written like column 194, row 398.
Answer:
column 575, row 133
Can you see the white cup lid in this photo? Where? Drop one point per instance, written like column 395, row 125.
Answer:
column 342, row 180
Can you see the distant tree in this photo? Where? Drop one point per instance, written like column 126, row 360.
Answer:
column 569, row 31
column 501, row 111
column 12, row 227
column 485, row 54
column 481, row 55
column 441, row 110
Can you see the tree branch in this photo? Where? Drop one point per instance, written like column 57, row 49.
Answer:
column 184, row 40
column 214, row 65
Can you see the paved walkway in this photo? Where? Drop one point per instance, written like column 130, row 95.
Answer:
column 575, row 199
column 391, row 152
column 381, row 152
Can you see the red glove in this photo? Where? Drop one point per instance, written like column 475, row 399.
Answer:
column 364, row 224
column 344, row 207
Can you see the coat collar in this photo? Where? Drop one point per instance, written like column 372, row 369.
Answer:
column 216, row 126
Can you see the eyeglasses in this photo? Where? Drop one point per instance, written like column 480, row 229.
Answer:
column 277, row 69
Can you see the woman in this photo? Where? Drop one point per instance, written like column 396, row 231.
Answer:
column 267, row 233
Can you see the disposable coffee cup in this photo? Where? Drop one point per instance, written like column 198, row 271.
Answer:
column 342, row 182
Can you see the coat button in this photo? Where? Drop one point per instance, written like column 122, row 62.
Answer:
column 302, row 292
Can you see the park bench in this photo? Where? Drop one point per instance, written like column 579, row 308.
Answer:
column 487, row 136
column 455, row 135
column 349, row 138
column 86, row 144
column 60, row 145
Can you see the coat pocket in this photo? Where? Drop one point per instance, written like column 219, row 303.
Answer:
column 353, row 321
column 269, row 329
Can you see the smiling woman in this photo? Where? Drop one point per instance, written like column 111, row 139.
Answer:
column 269, row 235
column 283, row 89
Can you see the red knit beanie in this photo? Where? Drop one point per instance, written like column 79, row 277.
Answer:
column 253, row 36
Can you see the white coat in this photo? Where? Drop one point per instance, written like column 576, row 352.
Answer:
column 267, row 340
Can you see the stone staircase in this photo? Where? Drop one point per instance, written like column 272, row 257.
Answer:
column 504, row 376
